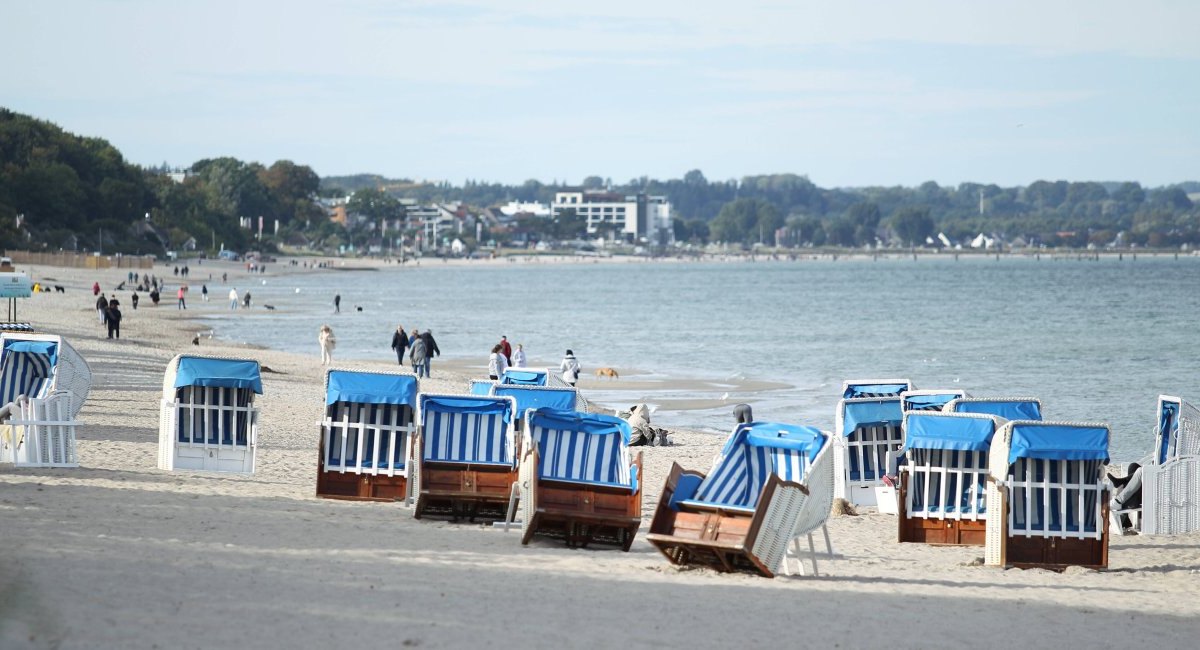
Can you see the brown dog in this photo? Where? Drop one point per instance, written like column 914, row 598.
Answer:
column 607, row 372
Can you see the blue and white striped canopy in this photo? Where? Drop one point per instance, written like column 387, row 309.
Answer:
column 854, row 390
column 581, row 447
column 881, row 411
column 754, row 452
column 466, row 429
column 1168, row 427
column 26, row 368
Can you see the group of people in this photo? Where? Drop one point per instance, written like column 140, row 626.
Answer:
column 421, row 348
column 110, row 315
column 504, row 357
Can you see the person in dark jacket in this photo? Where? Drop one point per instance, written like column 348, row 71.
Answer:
column 431, row 350
column 399, row 343
column 112, row 318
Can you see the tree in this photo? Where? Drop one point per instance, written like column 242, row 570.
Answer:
column 375, row 205
column 913, row 225
column 745, row 221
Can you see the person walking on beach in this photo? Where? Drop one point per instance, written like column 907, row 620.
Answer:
column 518, row 356
column 497, row 364
column 182, row 303
column 431, row 350
column 112, row 318
column 328, row 342
column 95, row 288
column 337, row 303
column 233, row 299
column 204, row 292
column 570, row 368
column 506, row 349
column 417, row 352
column 400, row 343
column 101, row 305
column 246, row 300
column 134, row 299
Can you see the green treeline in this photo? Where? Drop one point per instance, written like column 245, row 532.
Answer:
column 63, row 191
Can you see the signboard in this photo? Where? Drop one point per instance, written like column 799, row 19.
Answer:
column 15, row 285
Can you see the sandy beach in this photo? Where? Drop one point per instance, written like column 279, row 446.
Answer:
column 119, row 554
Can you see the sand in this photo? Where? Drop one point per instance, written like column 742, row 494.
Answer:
column 119, row 554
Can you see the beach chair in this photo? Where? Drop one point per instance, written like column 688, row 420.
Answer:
column 771, row 484
column 1047, row 495
column 366, row 435
column 464, row 456
column 532, row 396
column 526, row 377
column 43, row 384
column 867, row 436
column 578, row 481
column 1009, row 408
column 481, row 386
column 928, row 400
column 208, row 420
column 1171, row 478
column 943, row 484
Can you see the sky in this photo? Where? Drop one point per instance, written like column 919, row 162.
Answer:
column 850, row 93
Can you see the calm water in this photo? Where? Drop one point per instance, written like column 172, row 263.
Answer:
column 1094, row 340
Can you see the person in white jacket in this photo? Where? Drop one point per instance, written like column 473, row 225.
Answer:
column 327, row 341
column 518, row 356
column 570, row 368
column 497, row 364
column 233, row 298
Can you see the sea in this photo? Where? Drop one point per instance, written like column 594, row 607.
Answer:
column 1095, row 339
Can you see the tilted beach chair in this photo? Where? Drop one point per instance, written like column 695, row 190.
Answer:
column 1047, row 495
column 578, row 481
column 208, row 419
column 366, row 435
column 465, row 456
column 866, row 436
column 1009, row 408
column 43, row 384
column 928, row 400
column 770, row 484
column 1171, row 478
column 943, row 484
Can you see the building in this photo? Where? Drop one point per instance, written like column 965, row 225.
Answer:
column 639, row 219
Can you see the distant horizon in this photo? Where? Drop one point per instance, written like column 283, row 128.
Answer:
column 858, row 94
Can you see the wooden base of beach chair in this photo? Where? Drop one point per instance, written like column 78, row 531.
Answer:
column 715, row 538
column 364, row 487
column 923, row 530
column 1056, row 553
column 582, row 515
column 464, row 491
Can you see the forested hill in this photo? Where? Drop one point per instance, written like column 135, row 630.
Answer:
column 59, row 190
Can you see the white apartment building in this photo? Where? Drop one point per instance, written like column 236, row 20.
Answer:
column 638, row 218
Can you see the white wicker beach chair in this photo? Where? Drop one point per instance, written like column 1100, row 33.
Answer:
column 943, row 483
column 578, row 480
column 1047, row 498
column 43, row 384
column 366, row 435
column 1171, row 477
column 208, row 420
column 866, row 436
column 771, row 484
column 464, row 456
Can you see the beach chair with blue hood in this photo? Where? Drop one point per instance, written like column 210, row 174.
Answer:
column 366, row 435
column 43, row 385
column 771, row 484
column 208, row 420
